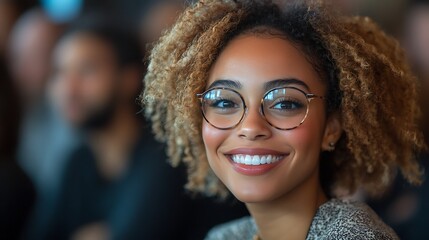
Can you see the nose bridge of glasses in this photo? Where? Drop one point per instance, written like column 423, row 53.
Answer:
column 253, row 116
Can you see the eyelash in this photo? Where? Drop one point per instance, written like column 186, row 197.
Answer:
column 290, row 100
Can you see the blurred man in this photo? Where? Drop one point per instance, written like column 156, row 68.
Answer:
column 96, row 79
column 118, row 184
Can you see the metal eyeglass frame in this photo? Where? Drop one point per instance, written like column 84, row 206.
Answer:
column 308, row 96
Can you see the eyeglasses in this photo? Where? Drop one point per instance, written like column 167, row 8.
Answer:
column 284, row 108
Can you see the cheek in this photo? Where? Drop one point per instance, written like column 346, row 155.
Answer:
column 212, row 138
column 306, row 140
column 98, row 89
column 306, row 143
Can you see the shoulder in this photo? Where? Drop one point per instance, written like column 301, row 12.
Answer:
column 243, row 228
column 339, row 219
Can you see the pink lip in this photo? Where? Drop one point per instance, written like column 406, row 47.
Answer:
column 254, row 170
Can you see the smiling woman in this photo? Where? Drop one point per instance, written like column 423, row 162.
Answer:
column 296, row 105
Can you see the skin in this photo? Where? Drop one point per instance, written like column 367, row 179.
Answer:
column 290, row 193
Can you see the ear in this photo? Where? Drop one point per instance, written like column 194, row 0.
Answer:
column 332, row 133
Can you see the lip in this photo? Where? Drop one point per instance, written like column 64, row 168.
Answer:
column 255, row 170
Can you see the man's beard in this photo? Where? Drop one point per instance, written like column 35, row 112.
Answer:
column 99, row 118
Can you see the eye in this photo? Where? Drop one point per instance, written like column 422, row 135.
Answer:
column 222, row 106
column 287, row 105
column 223, row 103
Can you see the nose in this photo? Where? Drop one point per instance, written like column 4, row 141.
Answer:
column 253, row 126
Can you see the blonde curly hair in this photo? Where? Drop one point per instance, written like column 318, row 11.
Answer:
column 369, row 83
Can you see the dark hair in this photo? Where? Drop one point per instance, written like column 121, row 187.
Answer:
column 124, row 44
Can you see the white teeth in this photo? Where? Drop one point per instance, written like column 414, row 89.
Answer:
column 263, row 159
column 269, row 159
column 255, row 159
column 248, row 160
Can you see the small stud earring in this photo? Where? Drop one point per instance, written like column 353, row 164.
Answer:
column 331, row 146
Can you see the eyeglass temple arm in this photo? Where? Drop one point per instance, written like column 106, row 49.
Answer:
column 312, row 96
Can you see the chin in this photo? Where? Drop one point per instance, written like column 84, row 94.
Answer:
column 251, row 198
column 254, row 194
column 254, row 198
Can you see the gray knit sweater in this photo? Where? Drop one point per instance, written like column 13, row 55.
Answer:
column 334, row 220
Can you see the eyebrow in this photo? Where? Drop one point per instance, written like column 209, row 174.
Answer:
column 285, row 81
column 225, row 83
column 267, row 86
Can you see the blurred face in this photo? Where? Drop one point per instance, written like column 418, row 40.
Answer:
column 30, row 57
column 85, row 80
column 275, row 161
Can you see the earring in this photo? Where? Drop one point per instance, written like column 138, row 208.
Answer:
column 331, row 146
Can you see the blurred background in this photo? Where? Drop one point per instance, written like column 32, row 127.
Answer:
column 78, row 161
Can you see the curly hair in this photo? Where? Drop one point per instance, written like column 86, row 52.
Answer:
column 369, row 84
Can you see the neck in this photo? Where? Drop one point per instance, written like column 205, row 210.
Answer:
column 113, row 144
column 290, row 216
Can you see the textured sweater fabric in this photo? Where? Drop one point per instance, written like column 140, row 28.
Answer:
column 335, row 219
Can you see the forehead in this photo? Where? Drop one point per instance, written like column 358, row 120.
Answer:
column 255, row 59
column 85, row 45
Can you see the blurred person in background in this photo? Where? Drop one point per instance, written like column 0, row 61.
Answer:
column 117, row 185
column 44, row 137
column 404, row 207
column 95, row 81
column 30, row 47
column 10, row 10
column 17, row 194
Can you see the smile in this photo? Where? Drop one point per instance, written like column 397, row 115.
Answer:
column 255, row 159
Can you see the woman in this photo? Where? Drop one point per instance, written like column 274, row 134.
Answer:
column 299, row 106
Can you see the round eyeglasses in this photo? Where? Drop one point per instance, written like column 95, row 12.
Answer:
column 284, row 108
